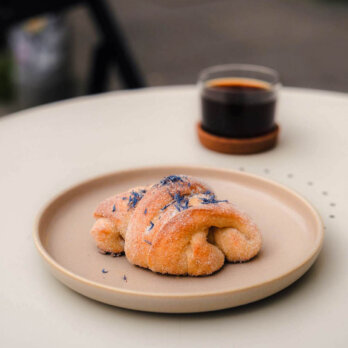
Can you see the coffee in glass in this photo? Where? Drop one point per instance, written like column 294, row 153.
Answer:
column 238, row 101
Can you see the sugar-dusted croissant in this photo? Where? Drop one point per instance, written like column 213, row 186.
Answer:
column 113, row 215
column 175, row 227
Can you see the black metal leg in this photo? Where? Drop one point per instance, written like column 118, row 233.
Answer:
column 116, row 43
column 98, row 77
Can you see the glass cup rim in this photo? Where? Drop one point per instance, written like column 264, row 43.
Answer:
column 240, row 67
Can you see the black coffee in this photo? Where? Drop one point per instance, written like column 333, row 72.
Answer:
column 238, row 108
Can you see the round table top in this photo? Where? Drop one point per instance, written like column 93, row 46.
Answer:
column 47, row 149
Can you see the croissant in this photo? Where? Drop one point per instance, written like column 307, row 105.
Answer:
column 113, row 215
column 176, row 226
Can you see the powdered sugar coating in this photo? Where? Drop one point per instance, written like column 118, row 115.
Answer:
column 178, row 226
column 113, row 215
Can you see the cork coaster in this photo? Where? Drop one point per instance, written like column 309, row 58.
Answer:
column 240, row 146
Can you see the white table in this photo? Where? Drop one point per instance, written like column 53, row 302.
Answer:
column 50, row 148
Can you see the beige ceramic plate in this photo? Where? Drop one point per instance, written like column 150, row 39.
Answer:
column 292, row 238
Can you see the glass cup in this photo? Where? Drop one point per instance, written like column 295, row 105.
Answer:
column 238, row 100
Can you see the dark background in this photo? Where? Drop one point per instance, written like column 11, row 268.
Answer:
column 172, row 40
column 306, row 40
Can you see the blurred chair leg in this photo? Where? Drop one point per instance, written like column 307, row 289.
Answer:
column 98, row 77
column 118, row 49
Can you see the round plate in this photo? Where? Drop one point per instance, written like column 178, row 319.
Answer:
column 292, row 238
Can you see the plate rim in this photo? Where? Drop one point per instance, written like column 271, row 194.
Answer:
column 312, row 255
